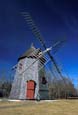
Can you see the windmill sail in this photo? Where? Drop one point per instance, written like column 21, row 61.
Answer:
column 37, row 34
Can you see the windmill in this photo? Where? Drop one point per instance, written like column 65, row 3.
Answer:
column 38, row 36
column 30, row 81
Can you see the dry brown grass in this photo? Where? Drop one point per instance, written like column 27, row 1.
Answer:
column 61, row 107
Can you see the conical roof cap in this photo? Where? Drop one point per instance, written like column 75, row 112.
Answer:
column 31, row 52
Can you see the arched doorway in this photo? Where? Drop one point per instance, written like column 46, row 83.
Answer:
column 30, row 89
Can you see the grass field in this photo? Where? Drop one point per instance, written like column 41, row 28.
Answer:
column 60, row 107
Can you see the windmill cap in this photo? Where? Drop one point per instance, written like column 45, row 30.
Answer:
column 31, row 52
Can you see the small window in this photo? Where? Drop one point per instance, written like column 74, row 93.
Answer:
column 20, row 66
column 44, row 81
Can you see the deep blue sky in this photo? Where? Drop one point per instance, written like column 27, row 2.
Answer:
column 55, row 19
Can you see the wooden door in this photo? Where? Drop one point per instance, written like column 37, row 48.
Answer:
column 30, row 89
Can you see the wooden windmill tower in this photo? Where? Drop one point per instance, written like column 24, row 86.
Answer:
column 29, row 82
